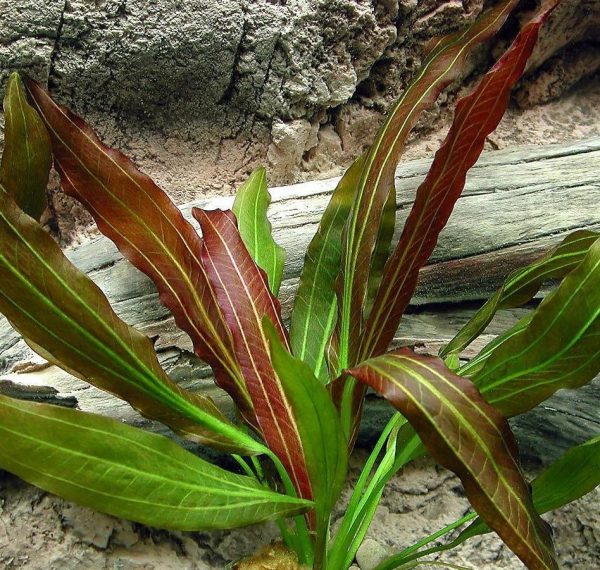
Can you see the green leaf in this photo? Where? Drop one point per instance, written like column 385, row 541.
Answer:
column 63, row 315
column 574, row 475
column 325, row 447
column 315, row 306
column 126, row 472
column 27, row 155
column 554, row 347
column 469, row 437
column 250, row 208
column 522, row 285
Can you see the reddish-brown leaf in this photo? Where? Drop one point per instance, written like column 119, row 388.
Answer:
column 244, row 296
column 468, row 436
column 475, row 117
column 149, row 230
column 442, row 66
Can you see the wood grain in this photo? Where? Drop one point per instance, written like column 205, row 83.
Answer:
column 517, row 203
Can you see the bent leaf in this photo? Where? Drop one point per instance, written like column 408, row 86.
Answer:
column 62, row 314
column 244, row 296
column 574, row 475
column 126, row 472
column 377, row 177
column 523, row 284
column 319, row 427
column 315, row 306
column 250, row 208
column 554, row 347
column 27, row 155
column 469, row 437
column 149, row 231
column 475, row 117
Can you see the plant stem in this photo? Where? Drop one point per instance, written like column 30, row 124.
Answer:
column 345, row 539
column 244, row 465
column 409, row 554
column 305, row 549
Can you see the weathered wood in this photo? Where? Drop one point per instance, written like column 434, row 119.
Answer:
column 517, row 203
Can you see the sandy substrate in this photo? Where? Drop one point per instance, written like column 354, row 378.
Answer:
column 41, row 532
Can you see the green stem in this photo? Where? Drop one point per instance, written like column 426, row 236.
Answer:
column 305, row 546
column 410, row 554
column 258, row 468
column 355, row 520
column 244, row 465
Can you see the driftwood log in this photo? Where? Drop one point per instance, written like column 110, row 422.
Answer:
column 516, row 204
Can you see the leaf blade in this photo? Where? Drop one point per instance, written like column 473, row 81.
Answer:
column 318, row 424
column 569, row 478
column 377, row 177
column 315, row 306
column 469, row 437
column 27, row 155
column 149, row 230
column 476, row 116
column 554, row 347
column 521, row 286
column 250, row 208
column 152, row 480
column 246, row 300
column 58, row 308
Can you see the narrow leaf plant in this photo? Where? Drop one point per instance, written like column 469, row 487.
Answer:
column 298, row 393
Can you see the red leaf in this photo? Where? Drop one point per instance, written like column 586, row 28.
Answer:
column 244, row 296
column 441, row 67
column 470, row 437
column 475, row 117
column 149, row 230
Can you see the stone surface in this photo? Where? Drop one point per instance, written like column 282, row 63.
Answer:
column 370, row 554
column 200, row 92
column 35, row 535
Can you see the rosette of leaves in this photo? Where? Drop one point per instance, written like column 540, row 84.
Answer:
column 298, row 392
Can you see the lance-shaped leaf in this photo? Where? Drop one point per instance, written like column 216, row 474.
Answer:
column 66, row 317
column 469, row 437
column 27, row 155
column 250, row 208
column 382, row 248
column 126, row 472
column 319, row 427
column 574, row 475
column 149, row 231
column 523, row 284
column 244, row 296
column 557, row 346
column 377, row 177
column 315, row 306
column 475, row 117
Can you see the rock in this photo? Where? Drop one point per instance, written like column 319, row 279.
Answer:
column 90, row 527
column 289, row 143
column 370, row 554
column 194, row 90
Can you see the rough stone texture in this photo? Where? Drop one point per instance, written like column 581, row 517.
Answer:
column 41, row 532
column 199, row 92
